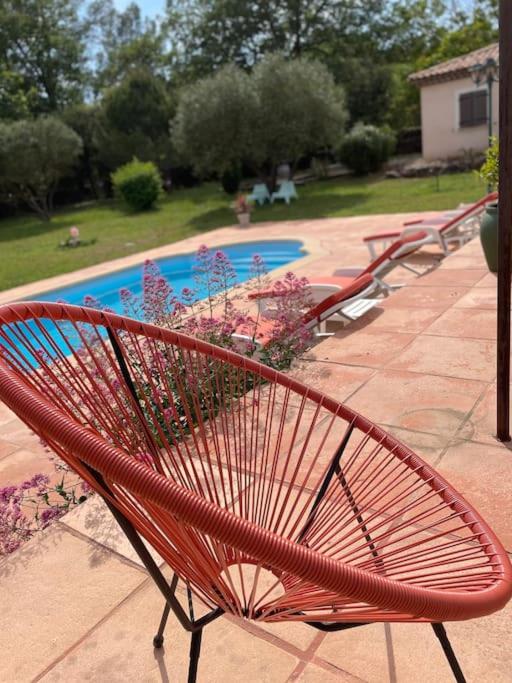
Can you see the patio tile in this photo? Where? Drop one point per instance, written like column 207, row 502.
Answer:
column 54, row 589
column 23, row 464
column 317, row 674
column 427, row 446
column 7, row 447
column 464, row 358
column 473, row 261
column 333, row 379
column 490, row 280
column 402, row 653
column 480, row 297
column 120, row 650
column 426, row 297
column 370, row 348
column 94, row 520
column 481, row 423
column 423, row 403
column 389, row 319
column 482, row 474
column 442, row 277
column 466, row 323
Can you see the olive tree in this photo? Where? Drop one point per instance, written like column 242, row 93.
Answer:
column 300, row 111
column 212, row 129
column 34, row 156
column 282, row 111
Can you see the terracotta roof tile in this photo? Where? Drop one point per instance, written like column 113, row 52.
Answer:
column 455, row 68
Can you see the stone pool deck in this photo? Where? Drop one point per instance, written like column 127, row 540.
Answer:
column 76, row 605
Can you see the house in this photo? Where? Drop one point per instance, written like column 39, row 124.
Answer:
column 454, row 110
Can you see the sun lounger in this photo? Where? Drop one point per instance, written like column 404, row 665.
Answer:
column 342, row 301
column 454, row 227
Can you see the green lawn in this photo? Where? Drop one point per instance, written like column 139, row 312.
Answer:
column 29, row 248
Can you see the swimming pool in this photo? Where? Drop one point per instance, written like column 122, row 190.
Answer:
column 177, row 270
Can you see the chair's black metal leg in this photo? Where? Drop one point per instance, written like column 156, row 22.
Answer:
column 158, row 640
column 195, row 651
column 440, row 632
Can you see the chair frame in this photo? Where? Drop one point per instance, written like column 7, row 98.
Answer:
column 438, row 230
column 168, row 589
column 98, row 461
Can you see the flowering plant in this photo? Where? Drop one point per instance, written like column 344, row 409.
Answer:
column 32, row 506
column 211, row 312
column 241, row 205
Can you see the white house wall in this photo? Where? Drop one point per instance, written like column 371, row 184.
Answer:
column 441, row 135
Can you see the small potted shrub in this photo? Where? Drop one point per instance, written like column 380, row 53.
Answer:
column 489, row 227
column 243, row 211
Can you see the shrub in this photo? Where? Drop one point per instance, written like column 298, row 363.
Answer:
column 366, row 148
column 138, row 183
column 230, row 180
column 490, row 171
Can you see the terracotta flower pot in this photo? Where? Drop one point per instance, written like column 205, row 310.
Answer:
column 244, row 219
column 489, row 236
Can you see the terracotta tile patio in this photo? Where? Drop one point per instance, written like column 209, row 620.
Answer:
column 422, row 365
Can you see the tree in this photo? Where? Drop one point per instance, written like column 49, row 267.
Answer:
column 300, row 111
column 91, row 174
column 134, row 122
column 34, row 156
column 123, row 41
column 470, row 35
column 368, row 88
column 282, row 111
column 42, row 43
column 211, row 33
column 213, row 124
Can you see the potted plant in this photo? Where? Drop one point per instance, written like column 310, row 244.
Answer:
column 243, row 211
column 489, row 227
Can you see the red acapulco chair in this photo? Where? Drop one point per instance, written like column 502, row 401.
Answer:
column 269, row 500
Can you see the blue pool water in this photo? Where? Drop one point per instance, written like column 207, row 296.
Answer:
column 178, row 271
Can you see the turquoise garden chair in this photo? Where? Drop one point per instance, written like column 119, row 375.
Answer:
column 286, row 191
column 259, row 194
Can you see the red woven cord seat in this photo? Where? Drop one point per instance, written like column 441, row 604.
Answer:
column 268, row 499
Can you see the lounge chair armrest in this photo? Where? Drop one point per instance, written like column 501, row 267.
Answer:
column 382, row 236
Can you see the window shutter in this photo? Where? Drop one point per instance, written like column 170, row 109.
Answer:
column 473, row 108
column 480, row 107
column 466, row 110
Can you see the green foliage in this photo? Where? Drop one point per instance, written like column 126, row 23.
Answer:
column 366, row 148
column 368, row 87
column 138, row 183
column 299, row 110
column 283, row 110
column 124, row 41
column 231, row 179
column 134, row 121
column 34, row 156
column 84, row 120
column 468, row 37
column 490, row 170
column 42, row 42
column 213, row 125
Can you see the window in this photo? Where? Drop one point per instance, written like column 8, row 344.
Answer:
column 473, row 108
